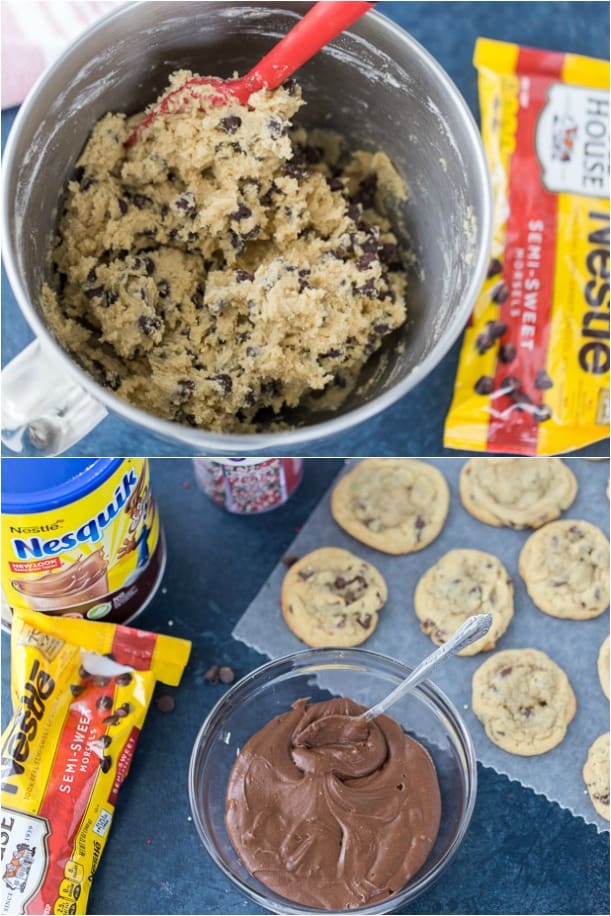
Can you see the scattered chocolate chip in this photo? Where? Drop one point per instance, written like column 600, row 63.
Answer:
column 110, row 720
column 484, row 385
column 113, row 381
column 94, row 293
column 483, row 342
column 507, row 352
column 243, row 276
column 336, row 184
column 366, row 260
column 364, row 622
column 511, row 384
column 76, row 690
column 389, row 254
column 123, row 205
column 275, row 128
column 163, row 288
column 87, row 183
column 367, row 191
column 122, row 680
column 226, row 674
column 355, row 211
column 212, row 674
column 236, row 242
column 165, row 703
column 494, row 268
column 91, row 276
column 340, row 582
column 305, row 574
column 290, row 86
column 230, row 124
column 149, row 324
column 225, row 382
column 369, row 289
column 105, row 740
column 104, row 702
column 289, row 561
column 542, row 413
column 142, row 201
column 110, row 297
column 382, row 329
column 294, row 170
column 543, row 381
column 526, row 711
column 576, row 533
column 505, row 671
column 341, row 622
column 333, row 353
column 184, row 390
column 105, row 763
column 243, row 212
column 496, row 329
column 500, row 293
column 77, row 173
column 123, row 710
column 149, row 265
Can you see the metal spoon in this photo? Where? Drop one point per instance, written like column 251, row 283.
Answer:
column 473, row 628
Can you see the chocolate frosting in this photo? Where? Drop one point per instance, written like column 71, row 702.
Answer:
column 331, row 811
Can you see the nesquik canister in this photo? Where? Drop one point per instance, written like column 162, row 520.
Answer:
column 247, row 486
column 80, row 537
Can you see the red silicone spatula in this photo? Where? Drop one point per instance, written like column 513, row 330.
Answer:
column 320, row 24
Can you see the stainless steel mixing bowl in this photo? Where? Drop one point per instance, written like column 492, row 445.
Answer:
column 374, row 84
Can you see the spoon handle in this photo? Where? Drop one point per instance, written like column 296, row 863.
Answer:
column 319, row 25
column 472, row 629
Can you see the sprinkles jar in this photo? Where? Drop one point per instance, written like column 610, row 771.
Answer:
column 247, row 486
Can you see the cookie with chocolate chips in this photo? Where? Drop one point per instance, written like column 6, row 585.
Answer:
column 524, row 700
column 596, row 775
column 516, row 492
column 565, row 566
column 332, row 598
column 397, row 505
column 462, row 583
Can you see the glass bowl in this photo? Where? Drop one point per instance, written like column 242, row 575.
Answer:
column 366, row 677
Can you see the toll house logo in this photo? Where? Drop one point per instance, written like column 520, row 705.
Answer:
column 23, row 847
column 572, row 141
column 17, row 871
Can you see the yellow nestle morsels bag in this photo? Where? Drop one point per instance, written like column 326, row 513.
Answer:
column 80, row 692
column 533, row 376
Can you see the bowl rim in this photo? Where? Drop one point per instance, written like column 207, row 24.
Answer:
column 255, row 442
column 318, row 655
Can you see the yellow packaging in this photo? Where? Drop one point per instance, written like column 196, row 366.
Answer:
column 88, row 546
column 80, row 694
column 533, row 376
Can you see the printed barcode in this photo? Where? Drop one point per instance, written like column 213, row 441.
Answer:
column 103, row 822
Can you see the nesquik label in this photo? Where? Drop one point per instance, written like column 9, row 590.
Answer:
column 99, row 557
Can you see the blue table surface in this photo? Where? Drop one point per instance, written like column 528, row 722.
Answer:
column 414, row 425
column 521, row 854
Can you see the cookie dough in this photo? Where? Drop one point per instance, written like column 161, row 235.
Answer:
column 397, row 505
column 565, row 566
column 596, row 775
column 524, row 700
column 516, row 492
column 226, row 265
column 332, row 598
column 603, row 667
column 462, row 583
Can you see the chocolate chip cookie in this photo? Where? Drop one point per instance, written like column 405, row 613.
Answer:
column 332, row 598
column 603, row 667
column 516, row 492
column 462, row 583
column 397, row 505
column 524, row 700
column 565, row 566
column 596, row 775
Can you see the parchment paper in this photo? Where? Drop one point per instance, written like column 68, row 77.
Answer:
column 574, row 645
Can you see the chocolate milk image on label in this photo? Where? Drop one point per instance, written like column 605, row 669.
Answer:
column 80, row 538
column 81, row 581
